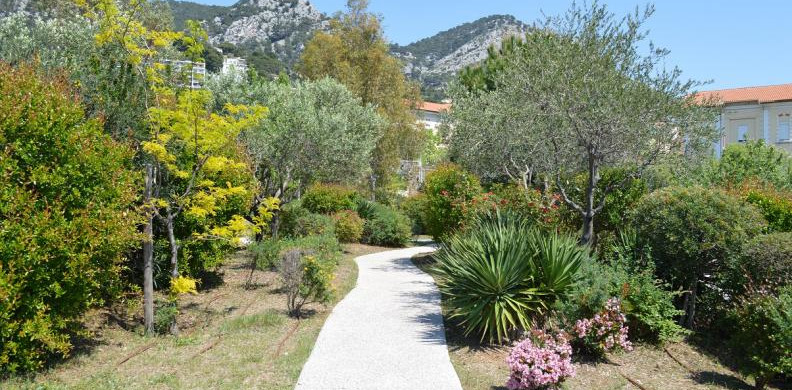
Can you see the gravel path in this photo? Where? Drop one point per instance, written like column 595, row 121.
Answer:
column 386, row 334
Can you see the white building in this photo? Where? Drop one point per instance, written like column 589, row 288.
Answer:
column 234, row 65
column 429, row 114
column 186, row 73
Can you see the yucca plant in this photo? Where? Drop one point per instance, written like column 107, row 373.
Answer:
column 501, row 273
column 558, row 260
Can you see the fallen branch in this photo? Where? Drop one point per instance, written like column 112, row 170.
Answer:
column 633, row 381
column 246, row 308
column 136, row 352
column 208, row 347
column 283, row 342
column 679, row 361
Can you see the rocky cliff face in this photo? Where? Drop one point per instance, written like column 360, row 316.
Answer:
column 434, row 60
column 273, row 33
column 280, row 27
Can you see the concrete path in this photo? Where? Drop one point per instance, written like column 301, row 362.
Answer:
column 386, row 334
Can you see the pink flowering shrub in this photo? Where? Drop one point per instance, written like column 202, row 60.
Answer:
column 542, row 361
column 605, row 332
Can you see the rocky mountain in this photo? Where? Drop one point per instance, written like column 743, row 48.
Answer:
column 271, row 35
column 278, row 27
column 434, row 60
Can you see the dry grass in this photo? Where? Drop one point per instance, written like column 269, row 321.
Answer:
column 678, row 366
column 231, row 338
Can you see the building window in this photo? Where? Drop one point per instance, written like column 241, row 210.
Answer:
column 783, row 128
column 742, row 133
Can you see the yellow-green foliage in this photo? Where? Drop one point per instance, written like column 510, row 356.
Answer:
column 205, row 170
column 348, row 226
column 329, row 198
column 183, row 285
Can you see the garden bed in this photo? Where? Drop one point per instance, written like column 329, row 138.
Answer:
column 230, row 338
column 677, row 366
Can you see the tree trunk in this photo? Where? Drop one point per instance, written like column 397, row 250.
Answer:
column 690, row 305
column 588, row 229
column 174, row 246
column 275, row 225
column 588, row 211
column 148, row 258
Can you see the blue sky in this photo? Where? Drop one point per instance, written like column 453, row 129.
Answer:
column 734, row 43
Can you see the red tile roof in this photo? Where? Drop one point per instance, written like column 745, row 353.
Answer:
column 766, row 94
column 434, row 107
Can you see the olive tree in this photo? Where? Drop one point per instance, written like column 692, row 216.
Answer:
column 578, row 95
column 315, row 131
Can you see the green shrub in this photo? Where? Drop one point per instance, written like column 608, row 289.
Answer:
column 297, row 221
column 753, row 161
column 767, row 260
column 414, row 208
column 447, row 188
column 270, row 251
column 501, row 272
column 165, row 316
column 694, row 234
column 386, row 227
column 329, row 198
column 66, row 218
column 306, row 278
column 776, row 207
column 647, row 303
column 762, row 336
column 267, row 252
column 348, row 226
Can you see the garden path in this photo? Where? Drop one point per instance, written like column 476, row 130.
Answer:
column 386, row 334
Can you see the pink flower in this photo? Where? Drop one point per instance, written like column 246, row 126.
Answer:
column 606, row 331
column 541, row 361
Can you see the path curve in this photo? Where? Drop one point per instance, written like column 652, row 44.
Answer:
column 387, row 333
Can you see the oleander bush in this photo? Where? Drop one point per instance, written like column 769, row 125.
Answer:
column 647, row 302
column 530, row 204
column 348, row 226
column 329, row 198
column 500, row 273
column 762, row 335
column 627, row 273
column 604, row 332
column 447, row 188
column 65, row 217
column 694, row 234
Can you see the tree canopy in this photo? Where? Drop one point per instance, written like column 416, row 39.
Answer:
column 578, row 95
column 355, row 53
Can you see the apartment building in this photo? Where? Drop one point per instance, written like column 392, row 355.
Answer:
column 753, row 113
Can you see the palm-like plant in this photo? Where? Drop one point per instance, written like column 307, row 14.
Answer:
column 501, row 273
